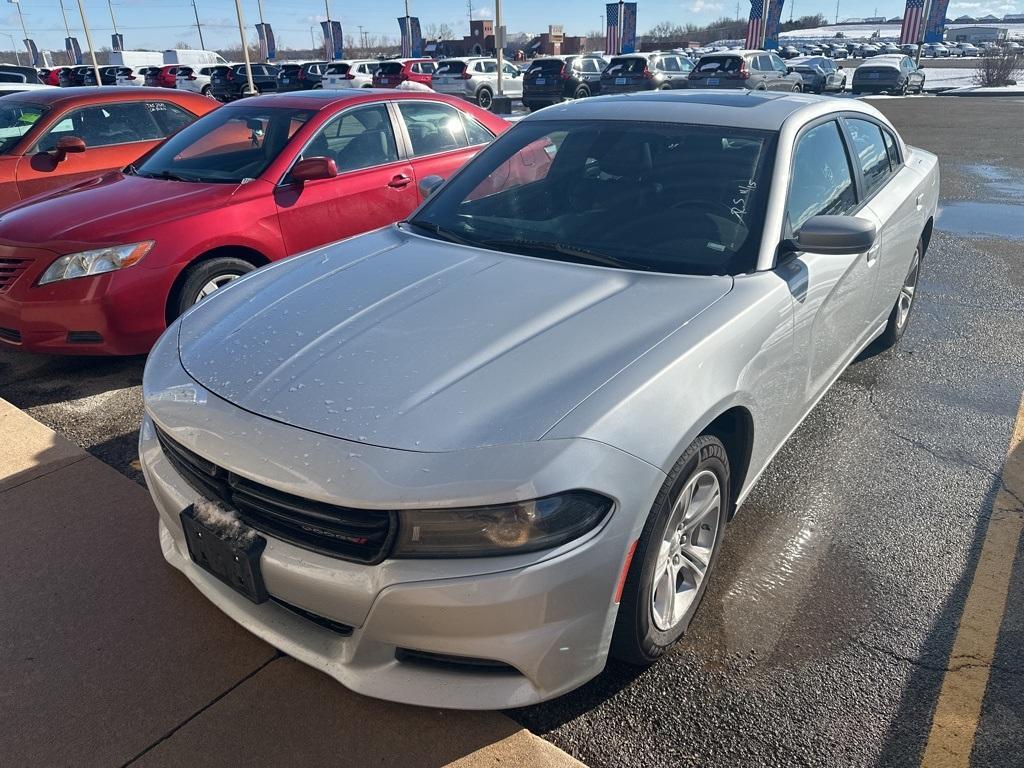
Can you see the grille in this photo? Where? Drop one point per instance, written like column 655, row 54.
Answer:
column 9, row 334
column 334, row 626
column 9, row 271
column 359, row 535
column 84, row 337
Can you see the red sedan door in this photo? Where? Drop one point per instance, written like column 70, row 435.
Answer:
column 114, row 134
column 373, row 188
column 441, row 138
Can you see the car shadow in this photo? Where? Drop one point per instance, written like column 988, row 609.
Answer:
column 29, row 380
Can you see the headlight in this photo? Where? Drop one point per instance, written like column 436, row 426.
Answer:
column 95, row 262
column 506, row 529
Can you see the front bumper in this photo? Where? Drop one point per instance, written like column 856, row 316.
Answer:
column 108, row 314
column 548, row 615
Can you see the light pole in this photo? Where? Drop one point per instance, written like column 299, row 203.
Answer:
column 312, row 41
column 245, row 47
column 88, row 40
column 24, row 31
column 199, row 26
column 259, row 5
column 408, row 37
column 14, row 46
column 499, row 43
column 113, row 21
column 330, row 32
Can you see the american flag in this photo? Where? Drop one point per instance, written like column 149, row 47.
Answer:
column 611, row 43
column 912, row 17
column 755, row 27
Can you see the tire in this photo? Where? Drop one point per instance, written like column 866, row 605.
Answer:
column 484, row 98
column 904, row 89
column 797, row 89
column 206, row 91
column 899, row 317
column 581, row 93
column 645, row 626
column 218, row 271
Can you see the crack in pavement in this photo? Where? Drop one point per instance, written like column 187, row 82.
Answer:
column 277, row 655
column 977, row 663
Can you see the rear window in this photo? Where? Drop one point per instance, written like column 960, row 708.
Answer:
column 719, row 64
column 217, row 70
column 630, row 66
column 546, row 67
column 290, row 69
column 451, row 68
column 391, row 68
column 338, row 69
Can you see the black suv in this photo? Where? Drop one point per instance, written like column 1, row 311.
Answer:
column 73, row 76
column 228, row 83
column 557, row 78
column 301, row 77
column 9, row 73
column 645, row 72
column 108, row 75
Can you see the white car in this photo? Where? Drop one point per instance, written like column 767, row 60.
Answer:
column 476, row 79
column 188, row 79
column 350, row 73
column 966, row 49
column 6, row 88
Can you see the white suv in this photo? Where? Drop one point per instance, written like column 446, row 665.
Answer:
column 187, row 79
column 351, row 73
column 476, row 79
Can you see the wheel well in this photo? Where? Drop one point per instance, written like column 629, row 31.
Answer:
column 926, row 236
column 254, row 257
column 735, row 428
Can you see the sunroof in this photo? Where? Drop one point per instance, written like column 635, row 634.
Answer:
column 741, row 99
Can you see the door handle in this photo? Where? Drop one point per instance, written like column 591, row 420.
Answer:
column 400, row 181
column 872, row 254
column 920, row 197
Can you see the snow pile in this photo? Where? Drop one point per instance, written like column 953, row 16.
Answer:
column 223, row 521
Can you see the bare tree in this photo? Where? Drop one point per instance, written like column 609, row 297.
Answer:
column 999, row 68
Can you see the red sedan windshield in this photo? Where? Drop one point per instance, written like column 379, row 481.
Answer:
column 227, row 146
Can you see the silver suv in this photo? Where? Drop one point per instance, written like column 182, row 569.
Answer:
column 755, row 70
column 476, row 79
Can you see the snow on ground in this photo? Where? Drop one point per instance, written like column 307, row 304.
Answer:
column 885, row 31
column 941, row 77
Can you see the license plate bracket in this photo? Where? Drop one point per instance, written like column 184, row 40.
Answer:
column 232, row 554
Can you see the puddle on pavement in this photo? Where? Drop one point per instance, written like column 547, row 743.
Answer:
column 969, row 218
column 1002, row 182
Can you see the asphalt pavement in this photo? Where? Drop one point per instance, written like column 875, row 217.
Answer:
column 826, row 635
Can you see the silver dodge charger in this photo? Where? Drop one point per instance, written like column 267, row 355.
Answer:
column 461, row 460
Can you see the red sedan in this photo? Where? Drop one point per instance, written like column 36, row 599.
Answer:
column 103, row 267
column 52, row 138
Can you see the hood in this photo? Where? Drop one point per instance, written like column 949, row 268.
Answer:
column 100, row 209
column 402, row 341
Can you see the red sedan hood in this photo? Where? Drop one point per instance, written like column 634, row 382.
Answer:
column 100, row 209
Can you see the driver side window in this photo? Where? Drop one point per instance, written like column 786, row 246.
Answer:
column 359, row 138
column 821, row 181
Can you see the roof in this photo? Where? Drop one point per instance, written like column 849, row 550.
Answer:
column 758, row 110
column 90, row 93
column 321, row 98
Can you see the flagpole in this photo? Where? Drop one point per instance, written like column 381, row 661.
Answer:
column 330, row 32
column 88, row 40
column 620, row 36
column 919, row 37
column 408, row 29
column 766, row 12
column 263, row 32
column 24, row 31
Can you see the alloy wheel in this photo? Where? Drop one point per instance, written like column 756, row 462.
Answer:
column 215, row 283
column 686, row 549
column 907, row 292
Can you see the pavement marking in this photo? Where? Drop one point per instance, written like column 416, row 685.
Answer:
column 958, row 709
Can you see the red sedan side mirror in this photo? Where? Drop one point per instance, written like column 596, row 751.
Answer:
column 313, row 168
column 67, row 145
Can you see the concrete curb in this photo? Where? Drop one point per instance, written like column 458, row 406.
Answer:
column 111, row 658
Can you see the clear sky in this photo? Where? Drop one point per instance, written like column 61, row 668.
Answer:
column 160, row 24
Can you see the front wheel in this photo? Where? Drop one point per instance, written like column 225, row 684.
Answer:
column 675, row 554
column 207, row 277
column 581, row 93
column 797, row 89
column 484, row 98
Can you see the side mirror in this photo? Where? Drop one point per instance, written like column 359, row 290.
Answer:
column 840, row 66
column 313, row 168
column 835, row 235
column 789, row 70
column 67, row 145
column 429, row 185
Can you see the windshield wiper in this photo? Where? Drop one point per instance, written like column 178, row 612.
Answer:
column 568, row 252
column 441, row 232
column 163, row 175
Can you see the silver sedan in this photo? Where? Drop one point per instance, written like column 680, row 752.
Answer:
column 461, row 460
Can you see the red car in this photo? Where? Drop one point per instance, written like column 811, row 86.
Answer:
column 164, row 77
column 51, row 138
column 392, row 74
column 103, row 267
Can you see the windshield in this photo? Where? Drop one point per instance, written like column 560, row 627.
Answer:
column 229, row 145
column 15, row 121
column 665, row 197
